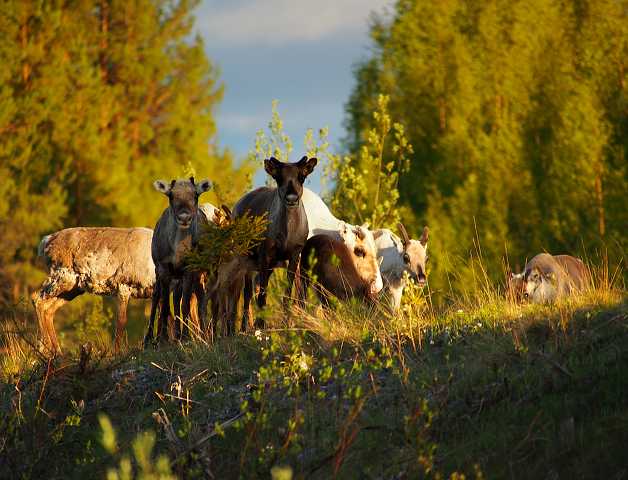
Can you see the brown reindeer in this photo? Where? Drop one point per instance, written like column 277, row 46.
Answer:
column 176, row 232
column 287, row 228
column 329, row 262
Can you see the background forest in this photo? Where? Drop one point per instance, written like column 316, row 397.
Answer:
column 511, row 118
column 518, row 115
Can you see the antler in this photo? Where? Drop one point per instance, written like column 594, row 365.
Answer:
column 227, row 211
column 405, row 238
column 424, row 236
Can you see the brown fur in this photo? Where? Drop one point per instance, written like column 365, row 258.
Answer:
column 226, row 292
column 329, row 262
column 98, row 260
column 576, row 269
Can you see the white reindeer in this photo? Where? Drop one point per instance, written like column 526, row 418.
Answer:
column 398, row 257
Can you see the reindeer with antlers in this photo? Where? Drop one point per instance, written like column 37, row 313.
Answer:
column 400, row 256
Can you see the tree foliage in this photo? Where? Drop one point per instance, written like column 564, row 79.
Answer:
column 517, row 112
column 366, row 184
column 97, row 99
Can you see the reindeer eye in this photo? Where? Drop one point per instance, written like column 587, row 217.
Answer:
column 359, row 252
column 406, row 258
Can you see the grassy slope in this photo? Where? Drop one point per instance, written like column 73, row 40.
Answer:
column 520, row 392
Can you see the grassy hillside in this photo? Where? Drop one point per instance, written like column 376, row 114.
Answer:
column 483, row 388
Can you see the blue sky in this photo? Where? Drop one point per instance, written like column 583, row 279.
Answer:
column 298, row 52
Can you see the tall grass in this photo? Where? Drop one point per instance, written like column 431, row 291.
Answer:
column 352, row 390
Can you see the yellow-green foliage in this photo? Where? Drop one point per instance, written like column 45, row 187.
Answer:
column 230, row 238
column 145, row 466
column 97, row 100
column 366, row 184
column 277, row 143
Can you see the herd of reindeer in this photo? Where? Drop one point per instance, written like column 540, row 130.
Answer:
column 302, row 234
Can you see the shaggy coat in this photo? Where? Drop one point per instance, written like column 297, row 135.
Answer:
column 103, row 261
column 401, row 258
column 328, row 262
column 547, row 278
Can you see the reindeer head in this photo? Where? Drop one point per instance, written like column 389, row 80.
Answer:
column 539, row 286
column 414, row 255
column 290, row 178
column 361, row 244
column 183, row 198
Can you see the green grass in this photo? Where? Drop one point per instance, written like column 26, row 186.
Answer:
column 483, row 388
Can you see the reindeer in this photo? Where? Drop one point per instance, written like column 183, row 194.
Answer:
column 176, row 232
column 98, row 260
column 546, row 278
column 287, row 228
column 359, row 239
column 401, row 256
column 329, row 261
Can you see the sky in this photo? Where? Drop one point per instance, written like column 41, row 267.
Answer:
column 299, row 52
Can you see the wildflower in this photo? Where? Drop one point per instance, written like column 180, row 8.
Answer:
column 258, row 335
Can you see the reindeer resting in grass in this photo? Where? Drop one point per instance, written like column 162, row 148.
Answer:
column 547, row 278
column 176, row 232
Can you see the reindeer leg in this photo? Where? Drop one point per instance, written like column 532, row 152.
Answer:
column 187, row 297
column 248, row 295
column 123, row 303
column 201, row 304
column 148, row 338
column 264, row 277
column 177, row 295
column 164, row 312
column 56, row 291
column 293, row 267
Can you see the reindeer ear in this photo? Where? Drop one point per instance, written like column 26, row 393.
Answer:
column 424, row 236
column 162, row 186
column 307, row 166
column 202, row 186
column 272, row 167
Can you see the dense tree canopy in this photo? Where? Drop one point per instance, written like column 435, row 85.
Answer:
column 518, row 115
column 97, row 99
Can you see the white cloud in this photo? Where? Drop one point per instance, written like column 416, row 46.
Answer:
column 243, row 123
column 273, row 22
